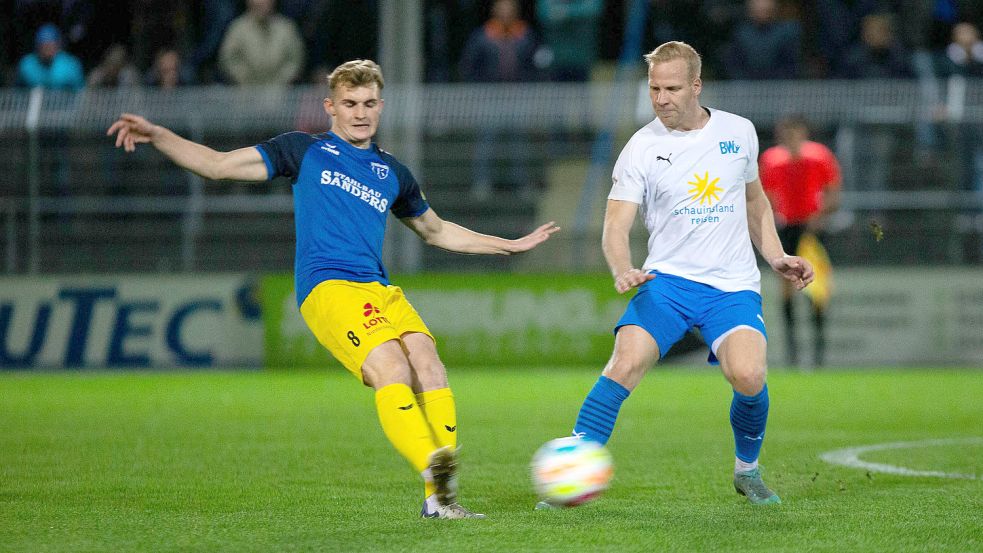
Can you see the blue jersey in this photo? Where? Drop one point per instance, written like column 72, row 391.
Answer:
column 341, row 197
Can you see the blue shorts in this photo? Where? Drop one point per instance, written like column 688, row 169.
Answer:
column 668, row 306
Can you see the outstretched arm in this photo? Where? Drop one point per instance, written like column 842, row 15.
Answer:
column 761, row 225
column 245, row 164
column 453, row 237
column 615, row 242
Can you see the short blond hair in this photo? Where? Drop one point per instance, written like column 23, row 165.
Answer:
column 356, row 73
column 676, row 50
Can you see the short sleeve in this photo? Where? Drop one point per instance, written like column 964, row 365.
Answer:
column 766, row 166
column 751, row 172
column 283, row 154
column 831, row 167
column 410, row 202
column 628, row 179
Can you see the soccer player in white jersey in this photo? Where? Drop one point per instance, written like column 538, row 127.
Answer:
column 693, row 172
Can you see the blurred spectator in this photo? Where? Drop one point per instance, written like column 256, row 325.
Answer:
column 74, row 17
column 297, row 10
column 49, row 66
column 570, row 31
column 500, row 51
column 836, row 25
column 448, row 24
column 159, row 24
column 879, row 54
column 214, row 18
column 964, row 59
column 964, row 55
column 262, row 47
column 115, row 69
column 336, row 31
column 167, row 72
column 706, row 25
column 764, row 47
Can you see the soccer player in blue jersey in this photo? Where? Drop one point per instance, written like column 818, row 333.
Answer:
column 344, row 188
column 693, row 174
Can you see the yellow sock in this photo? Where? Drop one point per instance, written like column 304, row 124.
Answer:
column 438, row 408
column 404, row 424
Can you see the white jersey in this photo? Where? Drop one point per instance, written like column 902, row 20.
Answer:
column 691, row 189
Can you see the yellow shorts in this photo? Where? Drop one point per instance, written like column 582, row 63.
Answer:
column 352, row 318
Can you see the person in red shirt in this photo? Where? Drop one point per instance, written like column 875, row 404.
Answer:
column 802, row 180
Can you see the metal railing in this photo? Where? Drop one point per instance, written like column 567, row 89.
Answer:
column 46, row 216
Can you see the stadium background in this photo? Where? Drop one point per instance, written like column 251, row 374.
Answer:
column 123, row 276
column 71, row 205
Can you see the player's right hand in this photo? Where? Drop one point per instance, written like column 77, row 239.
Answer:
column 630, row 279
column 132, row 130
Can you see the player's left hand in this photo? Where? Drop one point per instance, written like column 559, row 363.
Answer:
column 131, row 130
column 794, row 269
column 534, row 238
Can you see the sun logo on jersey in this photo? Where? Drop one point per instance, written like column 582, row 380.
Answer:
column 705, row 190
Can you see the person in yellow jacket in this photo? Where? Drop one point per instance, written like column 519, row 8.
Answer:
column 802, row 180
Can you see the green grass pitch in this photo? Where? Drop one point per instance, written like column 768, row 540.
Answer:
column 295, row 461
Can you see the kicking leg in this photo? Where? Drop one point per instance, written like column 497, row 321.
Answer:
column 387, row 370
column 634, row 352
column 437, row 404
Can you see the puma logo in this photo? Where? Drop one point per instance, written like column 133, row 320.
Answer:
column 405, row 407
column 665, row 159
column 450, row 428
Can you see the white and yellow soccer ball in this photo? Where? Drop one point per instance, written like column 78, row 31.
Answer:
column 571, row 471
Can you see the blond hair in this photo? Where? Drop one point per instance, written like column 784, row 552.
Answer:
column 356, row 73
column 676, row 50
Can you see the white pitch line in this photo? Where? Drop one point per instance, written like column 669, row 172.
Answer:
column 850, row 457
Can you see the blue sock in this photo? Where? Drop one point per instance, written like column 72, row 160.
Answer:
column 748, row 416
column 600, row 409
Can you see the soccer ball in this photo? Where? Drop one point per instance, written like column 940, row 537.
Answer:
column 571, row 471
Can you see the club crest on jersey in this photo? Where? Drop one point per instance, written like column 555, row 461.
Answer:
column 381, row 170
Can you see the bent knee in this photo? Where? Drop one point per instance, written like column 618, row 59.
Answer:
column 749, row 380
column 627, row 371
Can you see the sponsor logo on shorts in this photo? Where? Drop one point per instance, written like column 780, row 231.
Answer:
column 372, row 323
